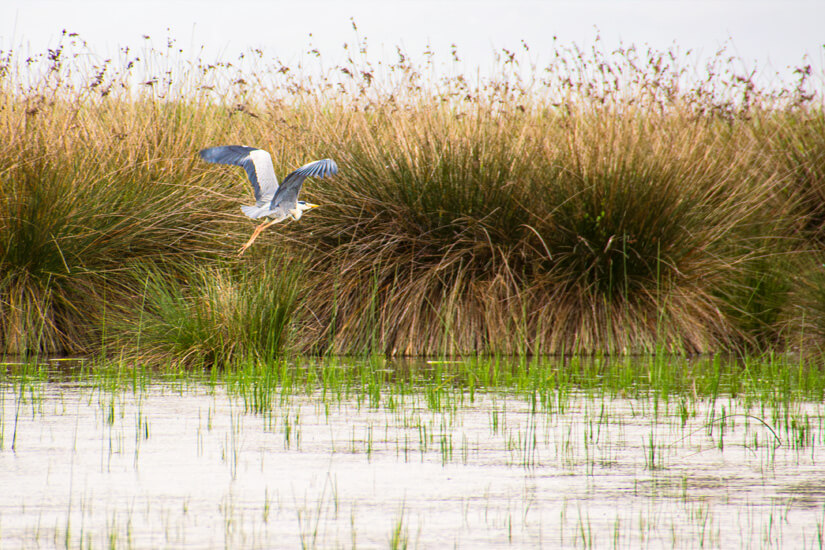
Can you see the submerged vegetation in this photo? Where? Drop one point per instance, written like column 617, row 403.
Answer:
column 615, row 203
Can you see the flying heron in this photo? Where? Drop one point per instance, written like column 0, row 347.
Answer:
column 272, row 202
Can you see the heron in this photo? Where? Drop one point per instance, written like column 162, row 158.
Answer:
column 272, row 202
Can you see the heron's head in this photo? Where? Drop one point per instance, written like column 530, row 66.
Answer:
column 301, row 207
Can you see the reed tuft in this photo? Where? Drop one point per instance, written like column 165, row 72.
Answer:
column 212, row 315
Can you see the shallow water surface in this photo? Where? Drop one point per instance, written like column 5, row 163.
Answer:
column 188, row 465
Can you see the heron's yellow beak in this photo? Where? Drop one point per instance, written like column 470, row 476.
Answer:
column 313, row 205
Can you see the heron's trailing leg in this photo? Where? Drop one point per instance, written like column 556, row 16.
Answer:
column 255, row 236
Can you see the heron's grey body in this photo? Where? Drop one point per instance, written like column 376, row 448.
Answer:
column 272, row 201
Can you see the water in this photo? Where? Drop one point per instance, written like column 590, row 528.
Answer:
column 186, row 465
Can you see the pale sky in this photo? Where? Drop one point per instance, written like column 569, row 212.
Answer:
column 773, row 34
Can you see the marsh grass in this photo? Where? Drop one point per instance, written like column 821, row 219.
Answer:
column 770, row 382
column 214, row 315
column 520, row 233
column 75, row 216
column 771, row 387
column 606, row 203
column 799, row 143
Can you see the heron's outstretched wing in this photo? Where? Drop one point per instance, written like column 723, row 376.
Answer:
column 256, row 162
column 287, row 194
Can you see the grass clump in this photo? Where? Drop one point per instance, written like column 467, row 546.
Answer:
column 68, row 225
column 513, row 232
column 215, row 315
column 92, row 181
